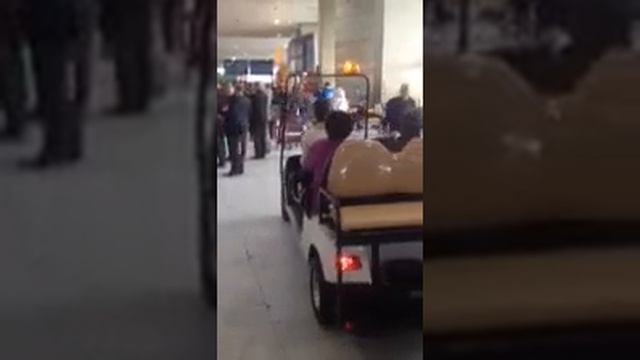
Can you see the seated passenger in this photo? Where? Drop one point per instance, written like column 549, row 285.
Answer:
column 338, row 127
column 340, row 101
column 409, row 129
column 321, row 109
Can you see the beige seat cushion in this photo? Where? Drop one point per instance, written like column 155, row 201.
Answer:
column 535, row 290
column 382, row 216
column 484, row 124
column 366, row 168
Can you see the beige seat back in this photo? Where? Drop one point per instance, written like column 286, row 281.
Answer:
column 366, row 168
column 408, row 169
column 593, row 154
column 484, row 137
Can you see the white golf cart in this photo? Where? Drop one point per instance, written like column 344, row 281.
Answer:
column 367, row 239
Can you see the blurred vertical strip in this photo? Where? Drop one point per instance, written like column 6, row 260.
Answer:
column 204, row 36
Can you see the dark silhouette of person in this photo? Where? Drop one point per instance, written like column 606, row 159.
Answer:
column 236, row 124
column 398, row 107
column 127, row 25
column 223, row 98
column 56, row 30
column 12, row 70
column 409, row 129
column 259, row 117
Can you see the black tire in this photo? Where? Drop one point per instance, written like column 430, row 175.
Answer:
column 323, row 302
column 208, row 268
column 283, row 209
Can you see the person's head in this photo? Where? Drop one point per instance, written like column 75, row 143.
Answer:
column 338, row 125
column 228, row 89
column 411, row 124
column 239, row 89
column 340, row 93
column 321, row 109
column 404, row 90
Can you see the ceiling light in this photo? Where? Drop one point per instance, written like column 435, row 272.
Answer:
column 276, row 21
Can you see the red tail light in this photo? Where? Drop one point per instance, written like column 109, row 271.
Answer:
column 348, row 263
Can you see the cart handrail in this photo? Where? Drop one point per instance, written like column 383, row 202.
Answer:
column 287, row 98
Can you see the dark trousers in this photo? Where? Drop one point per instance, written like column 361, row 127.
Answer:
column 221, row 148
column 39, row 87
column 62, row 120
column 235, row 153
column 133, row 76
column 132, row 52
column 82, row 66
column 13, row 88
column 260, row 141
column 243, row 145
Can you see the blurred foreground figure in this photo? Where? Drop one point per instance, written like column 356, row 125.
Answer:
column 12, row 72
column 127, row 27
column 58, row 31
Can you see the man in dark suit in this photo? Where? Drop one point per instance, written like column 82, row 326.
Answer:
column 56, row 29
column 259, row 116
column 12, row 72
column 236, row 124
column 397, row 108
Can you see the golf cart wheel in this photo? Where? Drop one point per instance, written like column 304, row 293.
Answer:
column 283, row 210
column 208, row 275
column 322, row 294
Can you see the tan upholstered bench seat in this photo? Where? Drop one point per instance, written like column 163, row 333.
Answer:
column 536, row 290
column 381, row 216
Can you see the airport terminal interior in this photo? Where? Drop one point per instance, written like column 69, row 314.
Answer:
column 102, row 253
column 263, row 309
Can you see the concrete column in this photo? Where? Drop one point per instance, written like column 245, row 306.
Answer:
column 402, row 60
column 327, row 35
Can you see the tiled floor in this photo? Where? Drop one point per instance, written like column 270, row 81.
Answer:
column 98, row 261
column 263, row 306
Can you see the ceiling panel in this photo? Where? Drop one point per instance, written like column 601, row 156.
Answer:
column 264, row 18
column 248, row 47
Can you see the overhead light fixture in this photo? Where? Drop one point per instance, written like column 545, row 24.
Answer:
column 276, row 21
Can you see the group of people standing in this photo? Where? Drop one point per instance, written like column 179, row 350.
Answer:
column 244, row 111
column 59, row 35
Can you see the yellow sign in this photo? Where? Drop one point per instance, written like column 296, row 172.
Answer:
column 278, row 57
column 350, row 68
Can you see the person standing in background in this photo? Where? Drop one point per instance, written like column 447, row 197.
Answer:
column 87, row 11
column 236, row 124
column 128, row 23
column 12, row 70
column 258, row 125
column 223, row 95
column 56, row 29
column 397, row 108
